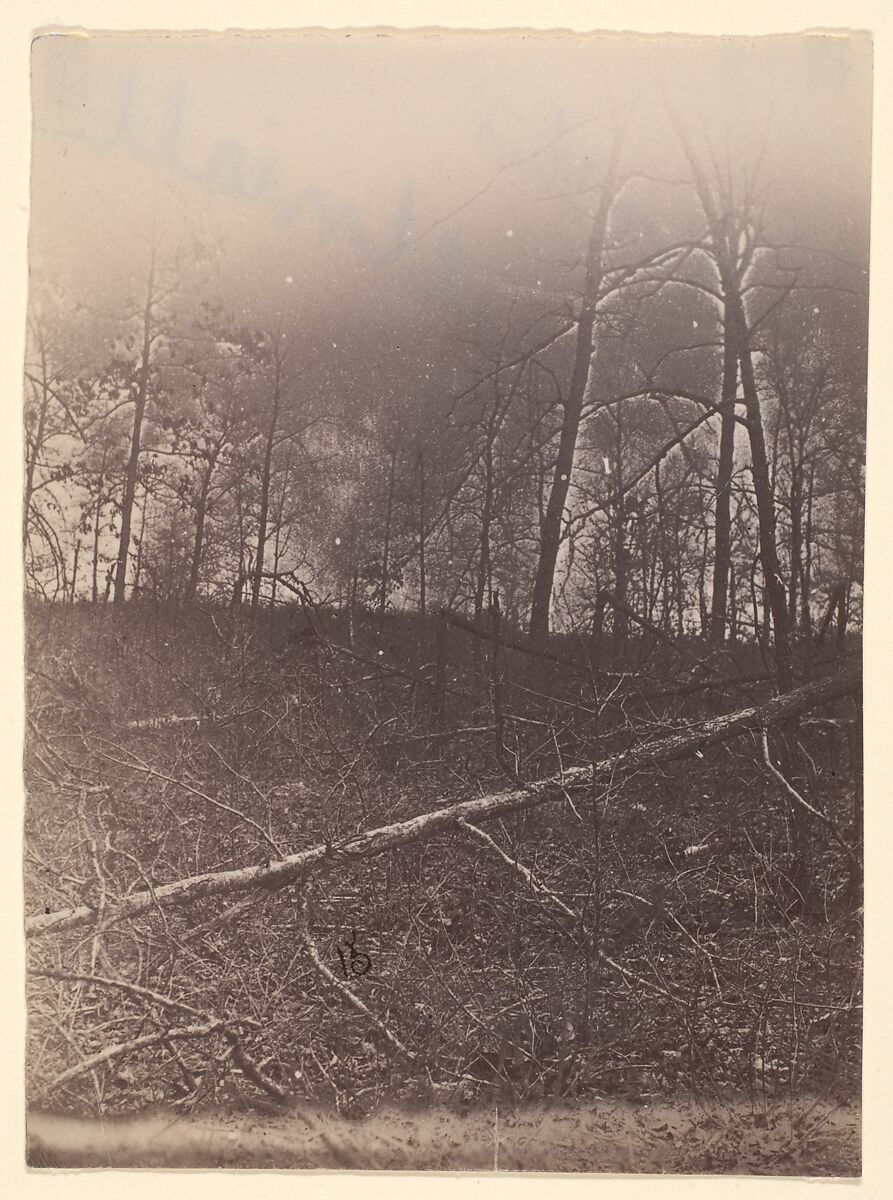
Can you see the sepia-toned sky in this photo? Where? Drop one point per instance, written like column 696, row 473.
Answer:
column 381, row 185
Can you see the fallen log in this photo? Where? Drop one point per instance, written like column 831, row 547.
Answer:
column 293, row 869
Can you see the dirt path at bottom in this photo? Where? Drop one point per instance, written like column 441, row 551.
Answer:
column 602, row 1136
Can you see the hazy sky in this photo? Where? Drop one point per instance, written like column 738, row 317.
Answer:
column 333, row 166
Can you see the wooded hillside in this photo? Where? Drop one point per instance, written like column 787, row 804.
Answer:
column 443, row 529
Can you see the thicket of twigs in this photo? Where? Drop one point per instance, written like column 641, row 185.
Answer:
column 690, row 925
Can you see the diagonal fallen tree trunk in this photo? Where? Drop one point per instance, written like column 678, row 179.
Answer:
column 296, row 867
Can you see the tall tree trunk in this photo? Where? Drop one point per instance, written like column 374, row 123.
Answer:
column 775, row 589
column 97, row 515
column 201, row 512
column 806, row 565
column 621, row 553
column 550, row 535
column 74, row 571
column 585, row 349
column 664, row 587
column 243, row 572
column 422, row 539
column 843, row 610
column 266, row 474
column 725, row 228
column 97, row 518
column 733, row 604
column 277, row 541
column 484, row 564
column 644, row 564
column 386, row 549
column 702, row 581
column 138, row 565
column 133, row 462
column 722, row 535
column 795, row 572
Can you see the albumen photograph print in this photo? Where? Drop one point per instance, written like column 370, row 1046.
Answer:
column 443, row 539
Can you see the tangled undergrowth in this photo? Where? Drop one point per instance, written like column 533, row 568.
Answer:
column 680, row 930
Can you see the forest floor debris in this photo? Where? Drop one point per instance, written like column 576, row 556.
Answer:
column 604, row 1136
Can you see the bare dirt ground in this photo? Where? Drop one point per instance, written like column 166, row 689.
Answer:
column 810, row 1138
